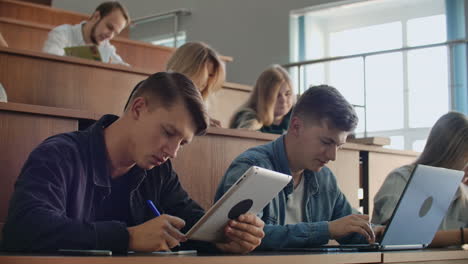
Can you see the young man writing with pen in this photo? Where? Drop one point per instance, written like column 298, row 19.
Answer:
column 89, row 189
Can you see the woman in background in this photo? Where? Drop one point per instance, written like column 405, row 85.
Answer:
column 202, row 65
column 269, row 107
column 446, row 147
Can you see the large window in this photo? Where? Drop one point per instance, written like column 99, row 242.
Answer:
column 398, row 94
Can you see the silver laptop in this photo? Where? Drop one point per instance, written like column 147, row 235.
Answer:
column 421, row 208
column 418, row 214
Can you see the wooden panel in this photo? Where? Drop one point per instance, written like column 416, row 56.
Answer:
column 143, row 55
column 346, row 170
column 216, row 151
column 201, row 164
column 41, row 14
column 380, row 165
column 19, row 134
column 42, row 2
column 29, row 36
column 42, row 79
column 255, row 257
column 224, row 103
column 65, row 82
column 48, row 111
column 430, row 256
column 20, row 35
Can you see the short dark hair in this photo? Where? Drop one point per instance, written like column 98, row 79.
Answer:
column 167, row 88
column 326, row 102
column 106, row 8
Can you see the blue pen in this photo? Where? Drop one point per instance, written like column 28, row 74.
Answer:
column 155, row 211
column 153, row 208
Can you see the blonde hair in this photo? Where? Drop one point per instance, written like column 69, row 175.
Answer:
column 263, row 97
column 447, row 144
column 190, row 59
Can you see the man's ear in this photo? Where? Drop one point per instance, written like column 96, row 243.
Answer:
column 137, row 107
column 296, row 126
column 95, row 16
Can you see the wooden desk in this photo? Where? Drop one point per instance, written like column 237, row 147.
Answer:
column 41, row 14
column 381, row 162
column 22, row 128
column 429, row 256
column 220, row 147
column 223, row 104
column 201, row 164
column 200, row 176
column 66, row 82
column 376, row 163
column 31, row 36
column 258, row 258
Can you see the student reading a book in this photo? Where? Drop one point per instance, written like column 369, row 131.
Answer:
column 446, row 147
column 269, row 107
column 202, row 65
column 311, row 209
column 89, row 189
column 107, row 21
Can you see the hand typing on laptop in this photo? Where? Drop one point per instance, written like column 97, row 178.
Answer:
column 354, row 223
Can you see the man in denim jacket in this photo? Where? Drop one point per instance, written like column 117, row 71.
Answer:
column 311, row 209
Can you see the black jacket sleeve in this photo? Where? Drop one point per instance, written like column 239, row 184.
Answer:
column 38, row 220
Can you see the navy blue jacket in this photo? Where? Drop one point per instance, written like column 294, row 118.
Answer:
column 62, row 185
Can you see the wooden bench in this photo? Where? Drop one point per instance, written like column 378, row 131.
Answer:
column 44, row 79
column 41, row 14
column 25, row 126
column 200, row 165
column 22, row 128
column 31, row 36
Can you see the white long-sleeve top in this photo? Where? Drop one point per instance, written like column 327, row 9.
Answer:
column 70, row 36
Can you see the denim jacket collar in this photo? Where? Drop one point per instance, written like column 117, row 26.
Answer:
column 280, row 156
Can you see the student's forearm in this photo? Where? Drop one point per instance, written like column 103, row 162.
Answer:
column 445, row 238
column 295, row 236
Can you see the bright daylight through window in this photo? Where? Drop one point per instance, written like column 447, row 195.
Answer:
column 397, row 94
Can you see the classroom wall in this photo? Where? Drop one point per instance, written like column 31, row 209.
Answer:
column 255, row 33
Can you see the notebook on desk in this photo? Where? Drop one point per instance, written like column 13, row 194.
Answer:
column 90, row 52
column 418, row 214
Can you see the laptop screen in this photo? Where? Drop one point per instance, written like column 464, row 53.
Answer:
column 422, row 206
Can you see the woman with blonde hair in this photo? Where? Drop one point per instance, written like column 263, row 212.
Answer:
column 446, row 147
column 202, row 65
column 269, row 107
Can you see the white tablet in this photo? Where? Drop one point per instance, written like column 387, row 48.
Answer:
column 249, row 194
